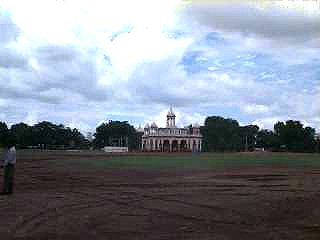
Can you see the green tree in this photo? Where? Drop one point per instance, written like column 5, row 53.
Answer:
column 116, row 133
column 220, row 134
column 248, row 135
column 23, row 133
column 292, row 136
column 266, row 139
column 3, row 133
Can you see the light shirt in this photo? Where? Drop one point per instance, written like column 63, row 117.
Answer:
column 10, row 156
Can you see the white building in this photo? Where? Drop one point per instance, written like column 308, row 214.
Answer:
column 171, row 138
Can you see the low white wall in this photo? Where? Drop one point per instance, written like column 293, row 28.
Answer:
column 115, row 149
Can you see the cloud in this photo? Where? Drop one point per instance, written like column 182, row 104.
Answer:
column 8, row 29
column 10, row 58
column 56, row 53
column 101, row 61
column 271, row 23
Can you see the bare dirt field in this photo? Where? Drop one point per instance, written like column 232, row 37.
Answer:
column 76, row 202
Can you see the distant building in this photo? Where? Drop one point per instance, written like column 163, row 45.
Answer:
column 171, row 138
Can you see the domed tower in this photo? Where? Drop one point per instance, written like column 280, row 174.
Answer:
column 171, row 119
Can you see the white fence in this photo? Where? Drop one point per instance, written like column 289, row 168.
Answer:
column 115, row 149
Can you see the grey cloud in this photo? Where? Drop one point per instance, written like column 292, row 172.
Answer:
column 56, row 74
column 10, row 58
column 157, row 82
column 14, row 93
column 166, row 82
column 273, row 23
column 56, row 53
column 68, row 67
column 9, row 31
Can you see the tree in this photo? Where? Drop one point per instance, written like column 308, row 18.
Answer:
column 116, row 133
column 317, row 144
column 48, row 135
column 220, row 134
column 23, row 133
column 248, row 135
column 266, row 139
column 292, row 136
column 3, row 133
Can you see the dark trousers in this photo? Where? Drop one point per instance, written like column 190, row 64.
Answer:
column 8, row 178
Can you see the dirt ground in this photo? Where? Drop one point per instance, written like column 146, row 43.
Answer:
column 56, row 202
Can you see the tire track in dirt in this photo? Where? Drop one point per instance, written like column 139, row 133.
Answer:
column 222, row 210
column 30, row 224
column 33, row 223
column 36, row 221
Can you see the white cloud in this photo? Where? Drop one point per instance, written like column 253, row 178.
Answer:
column 119, row 60
column 256, row 109
column 139, row 46
column 271, row 23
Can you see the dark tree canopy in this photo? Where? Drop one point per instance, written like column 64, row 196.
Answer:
column 48, row 135
column 292, row 136
column 116, row 133
column 266, row 139
column 248, row 135
column 3, row 133
column 220, row 134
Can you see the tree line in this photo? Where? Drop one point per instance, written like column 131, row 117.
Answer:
column 43, row 135
column 221, row 134
column 47, row 135
column 117, row 133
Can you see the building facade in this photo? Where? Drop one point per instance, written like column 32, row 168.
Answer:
column 171, row 138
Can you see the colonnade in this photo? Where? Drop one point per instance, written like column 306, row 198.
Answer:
column 171, row 144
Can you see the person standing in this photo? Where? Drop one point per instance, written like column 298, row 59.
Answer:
column 9, row 169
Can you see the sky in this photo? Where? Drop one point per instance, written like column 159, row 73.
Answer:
column 81, row 62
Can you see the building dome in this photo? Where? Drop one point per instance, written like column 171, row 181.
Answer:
column 147, row 126
column 154, row 125
column 171, row 113
column 196, row 125
column 140, row 129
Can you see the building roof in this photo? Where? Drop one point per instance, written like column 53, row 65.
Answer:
column 196, row 125
column 140, row 129
column 154, row 125
column 171, row 113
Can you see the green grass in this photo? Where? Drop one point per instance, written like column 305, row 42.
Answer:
column 200, row 161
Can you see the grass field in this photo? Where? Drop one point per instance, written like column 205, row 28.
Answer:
column 200, row 161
